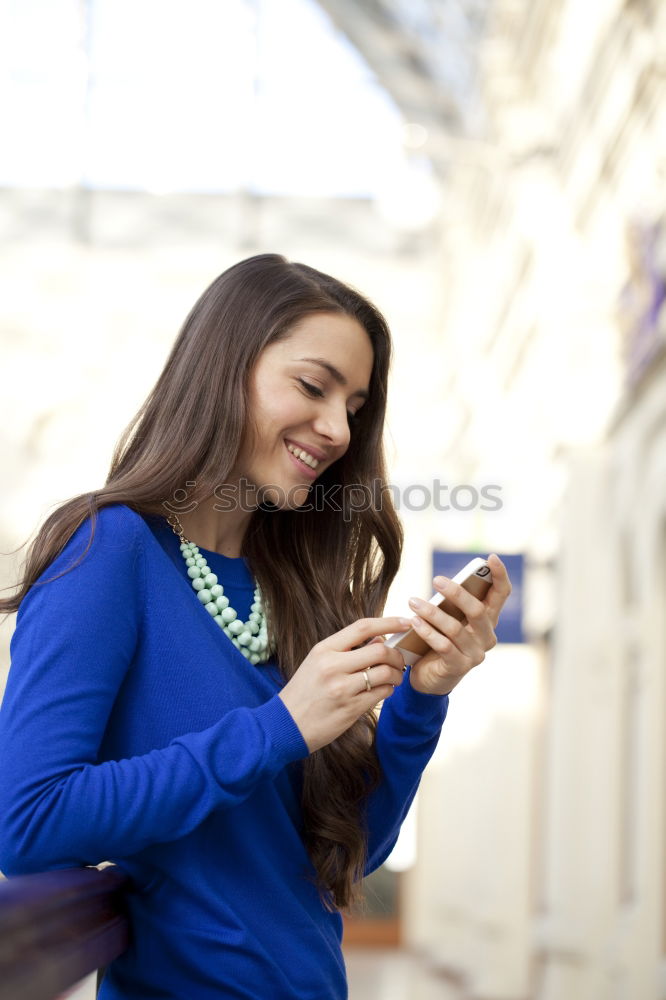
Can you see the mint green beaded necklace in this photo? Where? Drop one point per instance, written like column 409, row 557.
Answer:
column 250, row 638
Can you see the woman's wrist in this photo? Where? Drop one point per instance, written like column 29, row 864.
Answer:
column 438, row 690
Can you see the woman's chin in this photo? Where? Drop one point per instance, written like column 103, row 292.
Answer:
column 291, row 498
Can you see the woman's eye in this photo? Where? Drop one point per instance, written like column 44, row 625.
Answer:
column 314, row 390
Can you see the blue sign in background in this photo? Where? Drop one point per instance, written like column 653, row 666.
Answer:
column 510, row 625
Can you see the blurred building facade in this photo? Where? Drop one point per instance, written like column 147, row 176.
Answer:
column 549, row 881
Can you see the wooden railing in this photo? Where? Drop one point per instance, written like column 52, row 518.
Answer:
column 58, row 927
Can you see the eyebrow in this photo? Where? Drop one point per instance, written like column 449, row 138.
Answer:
column 337, row 375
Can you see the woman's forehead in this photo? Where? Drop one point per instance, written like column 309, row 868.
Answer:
column 337, row 338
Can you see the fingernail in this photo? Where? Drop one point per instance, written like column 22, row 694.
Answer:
column 441, row 581
column 416, row 620
column 414, row 602
column 405, row 622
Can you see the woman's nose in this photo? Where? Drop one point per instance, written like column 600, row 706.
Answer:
column 334, row 425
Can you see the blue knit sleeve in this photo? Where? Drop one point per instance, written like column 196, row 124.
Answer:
column 71, row 649
column 408, row 731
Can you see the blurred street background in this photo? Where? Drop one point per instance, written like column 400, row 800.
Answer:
column 493, row 174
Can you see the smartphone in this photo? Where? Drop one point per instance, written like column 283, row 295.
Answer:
column 474, row 577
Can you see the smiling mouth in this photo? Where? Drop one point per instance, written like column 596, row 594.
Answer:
column 306, row 469
column 309, row 458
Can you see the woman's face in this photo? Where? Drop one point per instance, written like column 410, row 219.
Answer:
column 304, row 389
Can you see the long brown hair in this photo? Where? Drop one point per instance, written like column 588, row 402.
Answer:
column 320, row 568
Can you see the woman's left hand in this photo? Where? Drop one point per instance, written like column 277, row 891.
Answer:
column 456, row 648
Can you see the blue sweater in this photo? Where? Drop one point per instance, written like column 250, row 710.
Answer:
column 133, row 731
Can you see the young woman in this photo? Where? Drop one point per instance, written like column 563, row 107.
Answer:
column 198, row 652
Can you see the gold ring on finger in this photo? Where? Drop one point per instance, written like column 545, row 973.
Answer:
column 368, row 685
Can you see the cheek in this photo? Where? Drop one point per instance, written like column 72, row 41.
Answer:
column 273, row 412
column 274, row 408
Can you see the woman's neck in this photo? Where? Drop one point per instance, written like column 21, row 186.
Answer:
column 216, row 530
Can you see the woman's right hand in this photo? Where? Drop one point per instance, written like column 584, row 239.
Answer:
column 328, row 693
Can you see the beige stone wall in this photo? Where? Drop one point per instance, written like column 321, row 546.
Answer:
column 541, row 869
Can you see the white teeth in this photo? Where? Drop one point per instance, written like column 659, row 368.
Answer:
column 304, row 456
